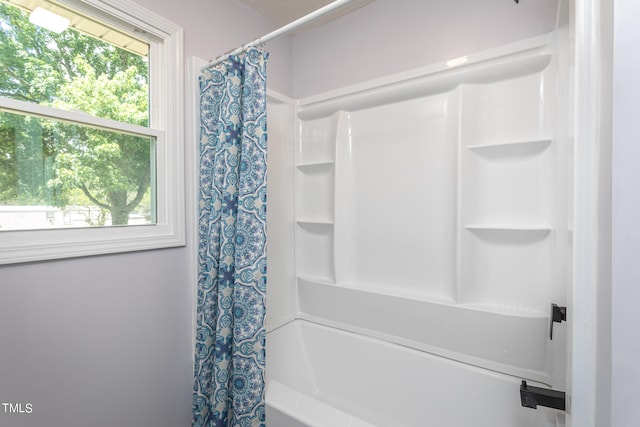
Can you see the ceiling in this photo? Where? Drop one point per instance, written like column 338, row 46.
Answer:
column 282, row 12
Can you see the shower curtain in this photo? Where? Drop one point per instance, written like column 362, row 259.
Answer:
column 230, row 338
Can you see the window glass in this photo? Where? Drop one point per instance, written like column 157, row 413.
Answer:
column 57, row 173
column 76, row 69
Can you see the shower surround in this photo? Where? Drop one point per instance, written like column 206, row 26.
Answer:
column 430, row 231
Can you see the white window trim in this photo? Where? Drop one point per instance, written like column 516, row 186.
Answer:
column 167, row 90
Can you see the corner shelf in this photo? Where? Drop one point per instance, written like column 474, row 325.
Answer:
column 315, row 247
column 311, row 166
column 509, row 234
column 312, row 222
column 314, row 191
column 508, row 228
column 515, row 148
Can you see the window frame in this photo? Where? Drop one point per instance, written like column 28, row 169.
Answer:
column 166, row 125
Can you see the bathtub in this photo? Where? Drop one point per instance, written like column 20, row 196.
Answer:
column 319, row 376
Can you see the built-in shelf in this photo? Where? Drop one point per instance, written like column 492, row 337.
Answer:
column 493, row 336
column 515, row 148
column 311, row 166
column 509, row 228
column 314, row 192
column 314, row 222
column 506, row 310
column 315, row 249
column 392, row 291
column 509, row 235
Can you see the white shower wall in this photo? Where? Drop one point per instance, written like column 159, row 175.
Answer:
column 281, row 298
column 431, row 210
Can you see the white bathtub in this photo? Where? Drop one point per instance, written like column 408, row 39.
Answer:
column 320, row 376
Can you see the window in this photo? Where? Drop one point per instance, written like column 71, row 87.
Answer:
column 91, row 148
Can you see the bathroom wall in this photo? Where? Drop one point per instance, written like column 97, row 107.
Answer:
column 101, row 341
column 391, row 36
column 625, row 376
column 213, row 27
column 107, row 341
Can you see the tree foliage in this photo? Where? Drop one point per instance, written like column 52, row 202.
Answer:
column 43, row 160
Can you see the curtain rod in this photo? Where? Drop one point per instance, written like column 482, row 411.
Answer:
column 282, row 30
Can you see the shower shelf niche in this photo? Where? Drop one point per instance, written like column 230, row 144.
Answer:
column 508, row 228
column 315, row 246
column 516, row 148
column 508, row 185
column 310, row 222
column 314, row 193
column 496, row 236
column 319, row 165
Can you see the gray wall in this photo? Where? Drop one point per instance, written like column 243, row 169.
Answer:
column 391, row 36
column 625, row 340
column 101, row 341
column 106, row 341
column 213, row 27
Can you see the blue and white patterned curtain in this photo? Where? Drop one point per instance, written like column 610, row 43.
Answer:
column 230, row 342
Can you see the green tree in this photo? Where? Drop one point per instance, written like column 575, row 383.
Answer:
column 8, row 174
column 111, row 169
column 72, row 71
